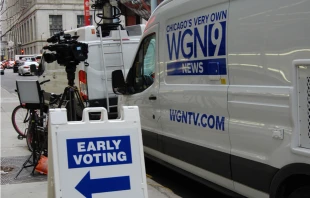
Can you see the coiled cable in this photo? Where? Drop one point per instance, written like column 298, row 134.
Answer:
column 98, row 5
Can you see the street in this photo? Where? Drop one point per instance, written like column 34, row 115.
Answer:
column 8, row 80
column 162, row 182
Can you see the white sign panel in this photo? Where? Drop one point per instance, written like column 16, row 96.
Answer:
column 102, row 158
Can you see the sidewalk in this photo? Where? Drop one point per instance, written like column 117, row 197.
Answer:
column 14, row 152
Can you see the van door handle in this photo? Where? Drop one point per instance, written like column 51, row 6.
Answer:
column 152, row 97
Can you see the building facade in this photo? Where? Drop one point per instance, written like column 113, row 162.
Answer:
column 26, row 24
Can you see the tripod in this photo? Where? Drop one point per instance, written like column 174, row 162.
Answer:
column 70, row 93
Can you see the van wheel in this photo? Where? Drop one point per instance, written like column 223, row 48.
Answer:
column 302, row 192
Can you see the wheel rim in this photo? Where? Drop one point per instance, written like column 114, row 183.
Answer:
column 19, row 123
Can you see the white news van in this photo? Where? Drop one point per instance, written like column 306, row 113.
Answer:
column 91, row 80
column 224, row 96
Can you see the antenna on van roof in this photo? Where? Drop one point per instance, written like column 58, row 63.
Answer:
column 109, row 16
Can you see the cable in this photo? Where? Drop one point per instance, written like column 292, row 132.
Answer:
column 15, row 23
column 2, row 3
column 8, row 7
column 106, row 27
column 9, row 17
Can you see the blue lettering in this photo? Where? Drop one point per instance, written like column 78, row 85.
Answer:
column 224, row 14
column 172, row 115
column 203, row 46
column 218, row 16
column 196, row 118
column 190, row 23
column 211, row 122
column 196, row 21
column 179, row 116
column 203, row 19
column 189, row 44
column 168, row 28
column 207, row 18
column 220, row 124
column 203, row 124
column 174, row 47
column 184, row 117
column 219, row 39
column 212, row 17
column 189, row 117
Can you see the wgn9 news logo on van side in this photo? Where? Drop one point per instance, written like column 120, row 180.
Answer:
column 197, row 46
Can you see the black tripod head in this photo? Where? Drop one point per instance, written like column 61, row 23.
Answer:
column 70, row 70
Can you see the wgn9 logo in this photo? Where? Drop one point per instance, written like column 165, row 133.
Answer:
column 209, row 40
column 217, row 39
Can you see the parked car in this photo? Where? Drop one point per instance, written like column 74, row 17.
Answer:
column 25, row 67
column 4, row 64
column 10, row 64
column 1, row 70
column 17, row 63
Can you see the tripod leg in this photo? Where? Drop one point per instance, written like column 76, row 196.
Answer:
column 72, row 104
column 67, row 96
column 79, row 103
column 62, row 98
column 24, row 165
column 79, row 100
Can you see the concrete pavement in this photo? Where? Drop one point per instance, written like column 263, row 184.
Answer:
column 14, row 151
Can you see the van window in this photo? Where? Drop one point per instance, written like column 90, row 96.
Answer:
column 141, row 75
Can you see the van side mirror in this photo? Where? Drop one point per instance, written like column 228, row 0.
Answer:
column 118, row 82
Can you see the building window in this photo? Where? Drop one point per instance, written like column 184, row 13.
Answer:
column 80, row 20
column 28, row 30
column 55, row 22
column 34, row 28
column 31, row 30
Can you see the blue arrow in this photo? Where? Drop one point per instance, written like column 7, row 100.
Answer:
column 88, row 186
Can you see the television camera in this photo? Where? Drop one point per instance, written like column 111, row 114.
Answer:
column 68, row 52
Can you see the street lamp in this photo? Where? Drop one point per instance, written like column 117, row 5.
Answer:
column 41, row 43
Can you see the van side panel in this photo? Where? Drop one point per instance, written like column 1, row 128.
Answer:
column 264, row 38
column 193, row 89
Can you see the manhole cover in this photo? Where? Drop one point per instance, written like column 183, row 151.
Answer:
column 10, row 166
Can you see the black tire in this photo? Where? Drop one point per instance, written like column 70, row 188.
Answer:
column 29, row 137
column 19, row 120
column 301, row 192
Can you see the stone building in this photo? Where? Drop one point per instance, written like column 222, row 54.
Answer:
column 26, row 24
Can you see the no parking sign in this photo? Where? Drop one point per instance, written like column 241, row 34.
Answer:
column 96, row 158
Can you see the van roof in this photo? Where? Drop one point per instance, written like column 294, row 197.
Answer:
column 154, row 18
column 88, row 33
